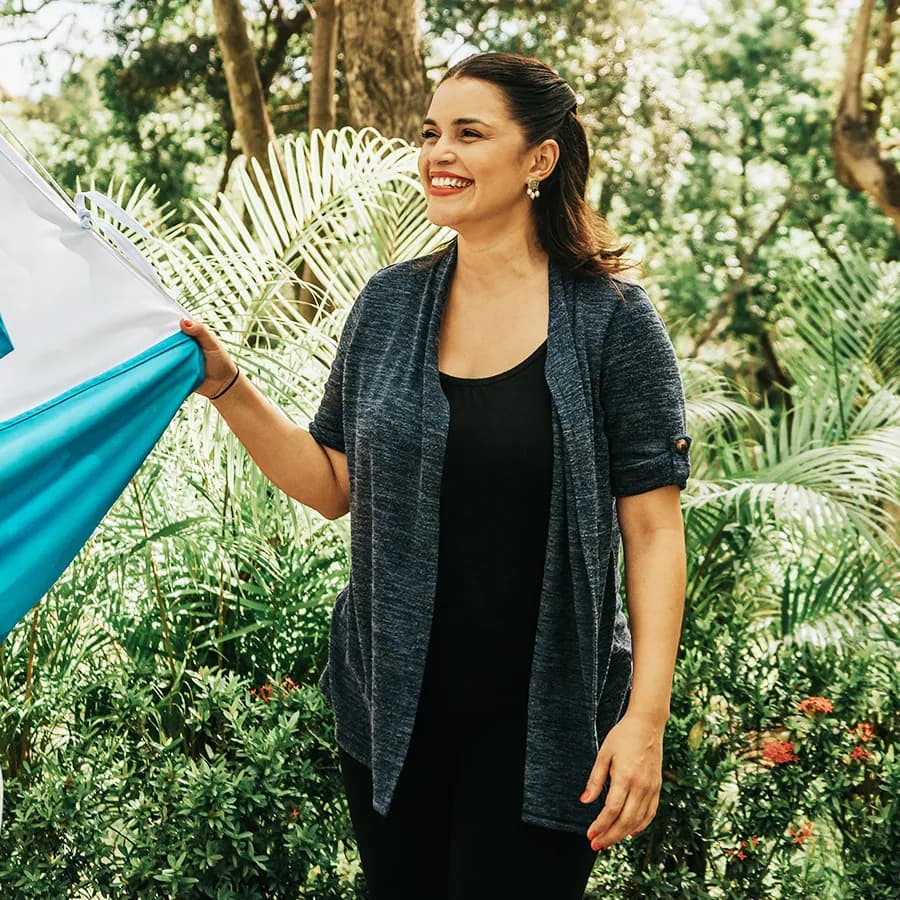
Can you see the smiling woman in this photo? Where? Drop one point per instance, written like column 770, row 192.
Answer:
column 499, row 129
column 496, row 418
column 477, row 728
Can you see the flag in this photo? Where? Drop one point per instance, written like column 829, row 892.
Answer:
column 93, row 367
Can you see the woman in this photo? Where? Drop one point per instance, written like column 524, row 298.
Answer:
column 508, row 408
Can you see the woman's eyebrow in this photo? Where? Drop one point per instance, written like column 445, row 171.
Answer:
column 457, row 122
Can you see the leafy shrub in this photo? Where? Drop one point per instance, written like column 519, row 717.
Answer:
column 780, row 775
column 246, row 803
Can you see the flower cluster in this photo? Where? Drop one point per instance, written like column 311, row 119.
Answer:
column 777, row 752
column 740, row 852
column 864, row 731
column 813, row 705
column 804, row 833
column 264, row 691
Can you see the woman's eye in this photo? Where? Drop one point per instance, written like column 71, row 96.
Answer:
column 427, row 135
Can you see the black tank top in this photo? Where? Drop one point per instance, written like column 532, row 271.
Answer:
column 494, row 515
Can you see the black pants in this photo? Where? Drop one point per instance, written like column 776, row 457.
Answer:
column 453, row 831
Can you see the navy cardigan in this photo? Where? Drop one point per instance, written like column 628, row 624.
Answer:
column 618, row 428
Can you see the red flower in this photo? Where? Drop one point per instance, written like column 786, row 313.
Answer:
column 739, row 850
column 813, row 705
column 288, row 685
column 264, row 692
column 779, row 752
column 863, row 730
column 859, row 752
column 804, row 833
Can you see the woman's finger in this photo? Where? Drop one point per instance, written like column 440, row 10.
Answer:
column 644, row 816
column 597, row 778
column 615, row 803
column 201, row 334
column 629, row 817
column 219, row 367
column 650, row 814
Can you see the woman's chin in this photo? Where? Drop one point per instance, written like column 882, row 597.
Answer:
column 437, row 218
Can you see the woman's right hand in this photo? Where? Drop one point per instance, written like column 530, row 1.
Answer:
column 220, row 367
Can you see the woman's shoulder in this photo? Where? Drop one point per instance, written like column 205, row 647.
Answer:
column 397, row 291
column 408, row 271
column 606, row 284
column 605, row 298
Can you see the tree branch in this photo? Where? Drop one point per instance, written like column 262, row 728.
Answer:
column 858, row 163
column 883, row 49
column 746, row 260
column 11, row 13
column 37, row 37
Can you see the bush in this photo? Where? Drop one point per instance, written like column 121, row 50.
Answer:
column 780, row 775
column 248, row 803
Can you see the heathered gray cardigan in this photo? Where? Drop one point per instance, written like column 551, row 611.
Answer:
column 618, row 428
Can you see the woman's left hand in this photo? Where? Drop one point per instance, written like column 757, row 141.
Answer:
column 632, row 756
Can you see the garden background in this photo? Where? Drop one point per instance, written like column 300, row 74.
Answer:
column 161, row 732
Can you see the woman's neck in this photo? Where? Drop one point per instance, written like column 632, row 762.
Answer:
column 489, row 267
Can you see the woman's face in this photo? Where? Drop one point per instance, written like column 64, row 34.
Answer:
column 467, row 133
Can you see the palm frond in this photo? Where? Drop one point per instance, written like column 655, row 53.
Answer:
column 841, row 316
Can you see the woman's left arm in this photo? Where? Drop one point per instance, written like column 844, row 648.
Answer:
column 655, row 579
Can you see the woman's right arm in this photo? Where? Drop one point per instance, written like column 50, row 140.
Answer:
column 288, row 455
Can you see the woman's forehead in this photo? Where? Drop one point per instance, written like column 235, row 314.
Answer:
column 468, row 98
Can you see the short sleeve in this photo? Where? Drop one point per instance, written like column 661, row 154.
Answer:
column 643, row 399
column 327, row 425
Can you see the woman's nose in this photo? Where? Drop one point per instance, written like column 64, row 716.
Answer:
column 442, row 149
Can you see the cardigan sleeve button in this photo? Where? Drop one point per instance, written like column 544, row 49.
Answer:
column 682, row 444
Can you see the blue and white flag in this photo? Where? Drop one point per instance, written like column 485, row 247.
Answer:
column 93, row 366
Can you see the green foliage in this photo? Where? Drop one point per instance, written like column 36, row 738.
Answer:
column 744, row 814
column 211, row 789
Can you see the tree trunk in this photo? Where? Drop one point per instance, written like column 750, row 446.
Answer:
column 858, row 161
column 384, row 65
column 322, row 100
column 322, row 111
column 245, row 93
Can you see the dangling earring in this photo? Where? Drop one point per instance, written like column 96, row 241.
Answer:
column 532, row 189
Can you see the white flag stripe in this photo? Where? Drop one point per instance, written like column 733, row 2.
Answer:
column 64, row 286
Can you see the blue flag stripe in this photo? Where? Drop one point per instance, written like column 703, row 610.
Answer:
column 64, row 464
column 6, row 344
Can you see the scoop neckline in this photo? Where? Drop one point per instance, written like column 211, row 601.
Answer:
column 499, row 376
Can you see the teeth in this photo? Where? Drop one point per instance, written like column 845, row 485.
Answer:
column 449, row 182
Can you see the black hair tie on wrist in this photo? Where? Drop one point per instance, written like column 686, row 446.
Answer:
column 230, row 383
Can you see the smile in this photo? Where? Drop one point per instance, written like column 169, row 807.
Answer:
column 442, row 187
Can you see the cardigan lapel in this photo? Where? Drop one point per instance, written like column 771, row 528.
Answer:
column 435, row 407
column 569, row 385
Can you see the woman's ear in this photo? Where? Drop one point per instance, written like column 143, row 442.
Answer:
column 546, row 157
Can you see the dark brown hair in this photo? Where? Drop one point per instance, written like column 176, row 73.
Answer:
column 543, row 104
